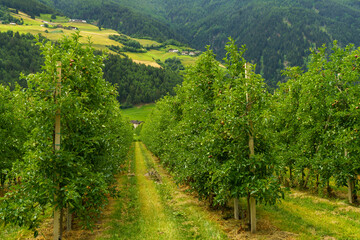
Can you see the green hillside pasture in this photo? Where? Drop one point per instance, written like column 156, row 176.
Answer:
column 59, row 19
column 139, row 113
column 146, row 42
column 152, row 55
column 99, row 38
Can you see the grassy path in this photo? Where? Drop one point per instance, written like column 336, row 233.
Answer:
column 152, row 206
column 156, row 223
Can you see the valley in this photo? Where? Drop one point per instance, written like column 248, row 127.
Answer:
column 99, row 38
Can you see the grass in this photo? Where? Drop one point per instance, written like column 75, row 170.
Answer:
column 139, row 113
column 125, row 220
column 59, row 19
column 152, row 55
column 150, row 209
column 313, row 217
column 190, row 219
column 13, row 232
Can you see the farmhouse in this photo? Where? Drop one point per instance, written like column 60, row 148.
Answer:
column 173, row 50
column 77, row 20
column 185, row 53
column 12, row 23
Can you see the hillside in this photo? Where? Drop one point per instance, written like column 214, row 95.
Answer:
column 141, row 77
column 111, row 14
column 277, row 33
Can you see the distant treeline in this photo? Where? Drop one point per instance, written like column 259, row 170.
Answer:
column 129, row 45
column 136, row 83
column 18, row 53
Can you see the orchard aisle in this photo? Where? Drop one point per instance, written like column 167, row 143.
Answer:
column 151, row 206
column 155, row 221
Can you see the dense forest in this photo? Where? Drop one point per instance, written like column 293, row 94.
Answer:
column 277, row 33
column 18, row 53
column 136, row 83
column 31, row 7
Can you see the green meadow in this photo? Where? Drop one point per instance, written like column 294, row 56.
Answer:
column 140, row 113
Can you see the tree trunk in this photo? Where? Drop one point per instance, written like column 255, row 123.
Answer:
column 68, row 219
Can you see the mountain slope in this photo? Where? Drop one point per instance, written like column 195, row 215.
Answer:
column 31, row 7
column 277, row 33
column 111, row 14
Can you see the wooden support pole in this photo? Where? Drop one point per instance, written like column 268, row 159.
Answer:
column 236, row 209
column 351, row 186
column 251, row 201
column 253, row 215
column 57, row 142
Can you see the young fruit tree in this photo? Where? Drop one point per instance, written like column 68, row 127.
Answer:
column 79, row 175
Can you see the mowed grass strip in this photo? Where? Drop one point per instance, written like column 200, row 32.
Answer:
column 193, row 221
column 315, row 218
column 125, row 220
column 155, row 223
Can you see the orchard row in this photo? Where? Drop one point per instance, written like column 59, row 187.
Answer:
column 227, row 137
column 77, row 173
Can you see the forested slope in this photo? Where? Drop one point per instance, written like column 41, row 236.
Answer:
column 31, row 7
column 277, row 33
column 18, row 53
column 111, row 14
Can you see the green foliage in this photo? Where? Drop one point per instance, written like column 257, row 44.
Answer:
column 12, row 130
column 317, row 116
column 121, row 50
column 174, row 64
column 129, row 44
column 126, row 41
column 203, row 133
column 94, row 138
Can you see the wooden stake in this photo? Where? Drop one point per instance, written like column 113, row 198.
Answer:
column 253, row 214
column 236, row 209
column 252, row 202
column 57, row 142
column 351, row 185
